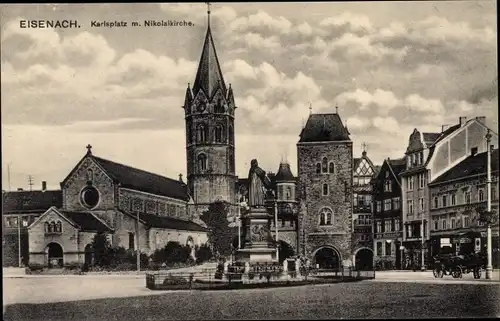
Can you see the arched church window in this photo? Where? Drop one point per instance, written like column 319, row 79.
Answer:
column 231, row 134
column 201, row 134
column 53, row 227
column 47, row 227
column 331, row 168
column 90, row 175
column 325, row 216
column 59, row 227
column 324, row 168
column 318, row 168
column 202, row 162
column 219, row 133
column 219, row 107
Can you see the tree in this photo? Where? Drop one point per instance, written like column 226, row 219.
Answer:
column 203, row 253
column 101, row 249
column 219, row 232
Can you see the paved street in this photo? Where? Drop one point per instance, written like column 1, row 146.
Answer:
column 126, row 298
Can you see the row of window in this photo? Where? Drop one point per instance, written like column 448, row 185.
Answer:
column 285, row 192
column 413, row 230
column 415, row 159
column 388, row 248
column 152, row 207
column 13, row 221
column 451, row 199
column 455, row 222
column 420, row 181
column 390, row 225
column 219, row 134
column 362, row 199
column 363, row 220
column 53, row 227
column 365, row 237
column 325, row 167
column 327, row 217
column 389, row 204
column 359, row 181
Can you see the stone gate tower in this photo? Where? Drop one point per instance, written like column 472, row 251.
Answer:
column 209, row 113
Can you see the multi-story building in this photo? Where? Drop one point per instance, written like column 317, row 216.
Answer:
column 362, row 240
column 428, row 156
column 324, row 154
column 457, row 198
column 387, row 214
column 20, row 209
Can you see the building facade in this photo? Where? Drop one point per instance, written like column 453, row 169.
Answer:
column 458, row 197
column 325, row 164
column 387, row 215
column 429, row 155
column 138, row 210
column 362, row 237
column 19, row 210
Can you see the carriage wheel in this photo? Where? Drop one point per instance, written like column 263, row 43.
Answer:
column 438, row 272
column 457, row 273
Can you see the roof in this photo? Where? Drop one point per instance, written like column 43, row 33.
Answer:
column 472, row 165
column 137, row 179
column 86, row 221
column 30, row 201
column 209, row 75
column 168, row 222
column 442, row 136
column 430, row 138
column 324, row 128
column 397, row 166
column 284, row 173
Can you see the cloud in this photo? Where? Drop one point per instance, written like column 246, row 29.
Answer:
column 386, row 124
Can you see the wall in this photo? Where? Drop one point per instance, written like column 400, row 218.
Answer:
column 132, row 201
column 71, row 240
column 160, row 237
column 339, row 199
column 78, row 180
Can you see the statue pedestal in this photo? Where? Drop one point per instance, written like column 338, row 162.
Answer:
column 258, row 245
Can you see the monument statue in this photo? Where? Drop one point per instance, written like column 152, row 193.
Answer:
column 258, row 182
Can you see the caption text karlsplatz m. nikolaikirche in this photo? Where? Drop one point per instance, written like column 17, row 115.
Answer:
column 64, row 24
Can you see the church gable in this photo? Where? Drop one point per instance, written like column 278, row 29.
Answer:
column 88, row 187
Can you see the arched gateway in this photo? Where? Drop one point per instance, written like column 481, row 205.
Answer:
column 363, row 259
column 54, row 255
column 327, row 257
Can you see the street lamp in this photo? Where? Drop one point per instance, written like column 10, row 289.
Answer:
column 489, row 267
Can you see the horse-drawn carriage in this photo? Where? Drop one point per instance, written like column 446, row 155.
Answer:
column 457, row 265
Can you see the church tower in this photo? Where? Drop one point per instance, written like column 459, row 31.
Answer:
column 209, row 113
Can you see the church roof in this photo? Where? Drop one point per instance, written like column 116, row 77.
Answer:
column 324, row 128
column 30, row 201
column 284, row 173
column 86, row 221
column 166, row 222
column 472, row 165
column 209, row 75
column 137, row 179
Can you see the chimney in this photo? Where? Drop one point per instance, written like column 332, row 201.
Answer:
column 445, row 127
column 44, row 185
column 462, row 120
column 473, row 151
column 180, row 178
column 19, row 189
column 482, row 120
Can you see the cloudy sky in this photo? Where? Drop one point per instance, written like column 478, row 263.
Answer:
column 389, row 67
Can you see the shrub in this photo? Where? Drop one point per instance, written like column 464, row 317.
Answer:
column 203, row 253
column 173, row 252
column 36, row 266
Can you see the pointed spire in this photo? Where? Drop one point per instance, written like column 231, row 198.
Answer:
column 363, row 147
column 208, row 12
column 336, row 109
column 209, row 74
column 310, row 109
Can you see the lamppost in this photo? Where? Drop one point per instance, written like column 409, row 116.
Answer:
column 422, row 265
column 489, row 267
